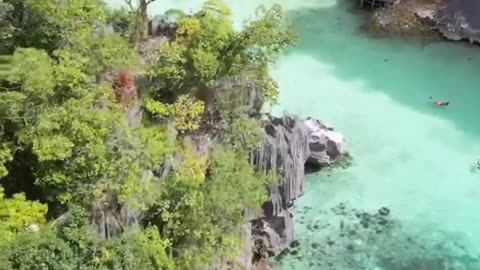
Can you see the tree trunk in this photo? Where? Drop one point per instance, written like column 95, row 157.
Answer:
column 143, row 19
column 141, row 22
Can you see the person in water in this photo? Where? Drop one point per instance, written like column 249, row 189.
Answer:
column 478, row 164
column 439, row 103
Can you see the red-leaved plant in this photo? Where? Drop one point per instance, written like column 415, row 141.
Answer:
column 124, row 86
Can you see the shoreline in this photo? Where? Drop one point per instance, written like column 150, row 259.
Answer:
column 427, row 19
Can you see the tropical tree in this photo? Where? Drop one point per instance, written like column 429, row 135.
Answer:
column 206, row 49
column 83, row 188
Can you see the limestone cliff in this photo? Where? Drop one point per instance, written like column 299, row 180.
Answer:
column 459, row 19
column 290, row 144
column 454, row 19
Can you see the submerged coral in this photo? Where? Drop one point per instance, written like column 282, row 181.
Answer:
column 347, row 238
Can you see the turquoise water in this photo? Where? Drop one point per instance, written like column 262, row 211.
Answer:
column 415, row 159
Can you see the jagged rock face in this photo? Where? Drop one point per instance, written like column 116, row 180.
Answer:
column 134, row 115
column 245, row 258
column 160, row 25
column 289, row 144
column 460, row 19
column 273, row 234
column 284, row 152
column 325, row 145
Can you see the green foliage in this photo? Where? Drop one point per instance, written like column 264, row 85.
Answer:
column 134, row 250
column 206, row 48
column 56, row 113
column 265, row 36
column 192, row 167
column 33, row 70
column 244, row 133
column 145, row 249
column 38, row 251
column 72, row 244
column 50, row 24
column 106, row 51
column 169, row 68
column 234, row 182
column 5, row 156
column 18, row 214
column 123, row 21
column 202, row 218
column 59, row 24
column 174, row 14
column 6, row 29
column 66, row 142
column 186, row 112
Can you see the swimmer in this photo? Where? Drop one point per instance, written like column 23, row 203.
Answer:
column 440, row 103
column 478, row 164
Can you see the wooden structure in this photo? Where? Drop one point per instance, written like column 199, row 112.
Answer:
column 376, row 3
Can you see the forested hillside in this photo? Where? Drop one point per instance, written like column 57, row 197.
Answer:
column 88, row 181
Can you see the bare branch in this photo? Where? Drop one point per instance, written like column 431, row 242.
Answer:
column 129, row 4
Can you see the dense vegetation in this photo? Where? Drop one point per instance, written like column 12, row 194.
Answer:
column 83, row 186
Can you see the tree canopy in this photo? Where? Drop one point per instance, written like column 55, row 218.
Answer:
column 88, row 181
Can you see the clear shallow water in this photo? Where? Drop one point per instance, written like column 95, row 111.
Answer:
column 417, row 160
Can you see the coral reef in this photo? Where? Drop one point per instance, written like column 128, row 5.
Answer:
column 347, row 238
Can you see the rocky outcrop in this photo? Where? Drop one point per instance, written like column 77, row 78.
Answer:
column 459, row 20
column 454, row 19
column 272, row 234
column 284, row 151
column 401, row 19
column 325, row 145
column 161, row 25
column 290, row 144
column 134, row 115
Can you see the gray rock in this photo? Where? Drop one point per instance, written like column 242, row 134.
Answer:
column 274, row 233
column 160, row 25
column 134, row 115
column 460, row 19
column 324, row 143
column 246, row 254
column 110, row 28
column 454, row 19
column 284, row 152
column 289, row 144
